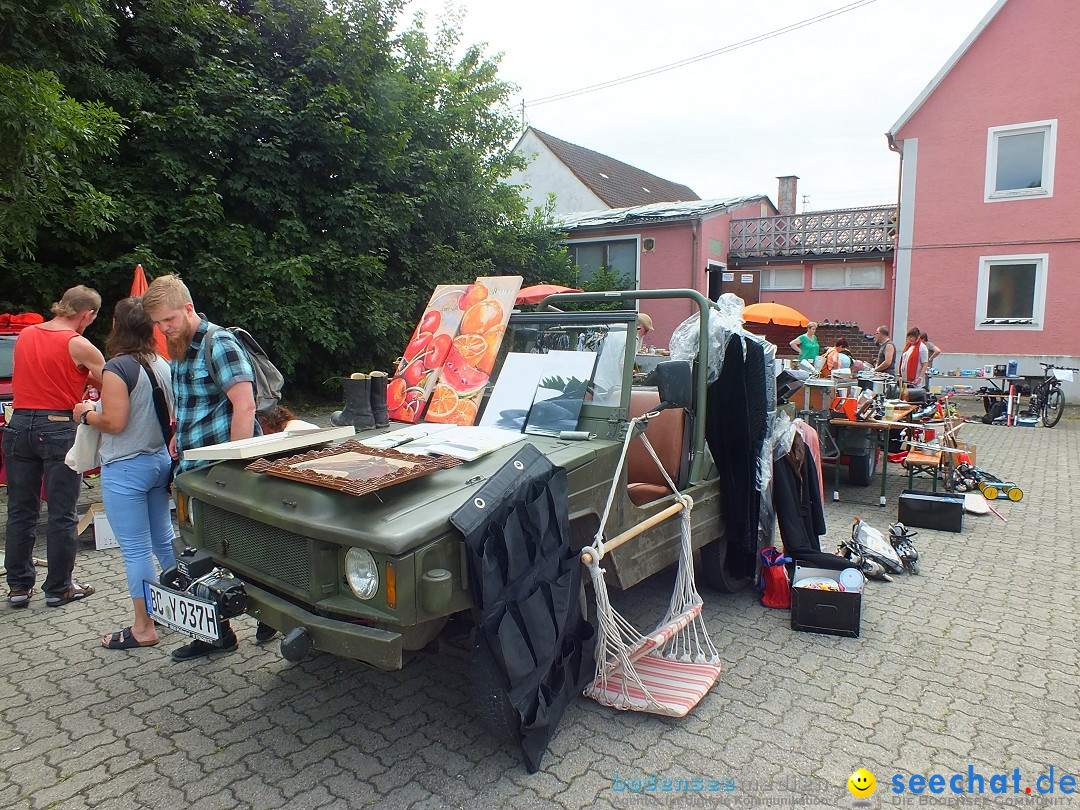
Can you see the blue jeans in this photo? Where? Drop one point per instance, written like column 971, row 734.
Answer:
column 136, row 495
column 34, row 449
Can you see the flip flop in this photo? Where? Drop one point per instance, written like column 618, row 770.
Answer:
column 125, row 640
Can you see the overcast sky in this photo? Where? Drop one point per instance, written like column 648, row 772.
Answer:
column 814, row 102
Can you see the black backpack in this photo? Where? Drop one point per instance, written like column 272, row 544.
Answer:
column 268, row 380
column 993, row 411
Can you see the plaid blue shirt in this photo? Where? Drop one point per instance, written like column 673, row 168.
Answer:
column 200, row 382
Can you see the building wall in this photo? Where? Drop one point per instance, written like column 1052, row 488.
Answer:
column 547, row 174
column 869, row 309
column 668, row 265
column 1021, row 69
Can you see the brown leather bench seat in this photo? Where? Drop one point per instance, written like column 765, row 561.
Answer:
column 645, row 483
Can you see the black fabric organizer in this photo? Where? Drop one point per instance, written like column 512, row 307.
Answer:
column 526, row 583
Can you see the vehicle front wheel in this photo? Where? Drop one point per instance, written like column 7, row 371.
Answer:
column 1054, row 407
column 715, row 568
column 490, row 698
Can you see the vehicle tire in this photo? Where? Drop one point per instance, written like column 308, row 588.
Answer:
column 913, row 566
column 715, row 568
column 490, row 699
column 1053, row 408
column 1016, row 494
column 990, row 492
column 861, row 468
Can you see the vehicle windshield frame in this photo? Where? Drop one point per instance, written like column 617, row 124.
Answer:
column 594, row 418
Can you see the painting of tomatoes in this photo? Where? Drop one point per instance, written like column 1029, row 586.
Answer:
column 418, row 370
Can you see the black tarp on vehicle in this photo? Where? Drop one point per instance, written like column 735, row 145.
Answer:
column 526, row 583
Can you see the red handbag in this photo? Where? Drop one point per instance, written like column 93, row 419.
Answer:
column 774, row 584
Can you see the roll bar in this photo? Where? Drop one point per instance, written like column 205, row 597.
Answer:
column 700, row 369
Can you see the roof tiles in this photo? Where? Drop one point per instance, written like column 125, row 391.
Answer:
column 618, row 184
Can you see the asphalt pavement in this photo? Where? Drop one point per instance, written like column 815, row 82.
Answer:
column 968, row 671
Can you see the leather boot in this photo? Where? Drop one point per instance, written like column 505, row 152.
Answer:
column 357, row 411
column 378, row 398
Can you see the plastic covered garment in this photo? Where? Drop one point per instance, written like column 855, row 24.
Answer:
column 526, row 585
column 731, row 446
column 725, row 320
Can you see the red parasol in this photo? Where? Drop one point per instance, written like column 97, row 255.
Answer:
column 138, row 287
column 538, row 292
column 138, row 284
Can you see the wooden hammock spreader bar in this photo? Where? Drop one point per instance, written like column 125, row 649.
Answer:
column 634, row 531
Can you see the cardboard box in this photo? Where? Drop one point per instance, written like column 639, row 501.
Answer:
column 103, row 534
column 835, row 613
column 931, row 510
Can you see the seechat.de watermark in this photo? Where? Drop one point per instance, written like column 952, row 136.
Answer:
column 975, row 783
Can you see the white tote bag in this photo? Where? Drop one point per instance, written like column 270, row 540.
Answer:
column 83, row 454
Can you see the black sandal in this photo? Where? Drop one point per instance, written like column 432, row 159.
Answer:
column 125, row 640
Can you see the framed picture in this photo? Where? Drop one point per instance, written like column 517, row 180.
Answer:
column 353, row 468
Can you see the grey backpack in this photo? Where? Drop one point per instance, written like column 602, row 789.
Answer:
column 268, row 380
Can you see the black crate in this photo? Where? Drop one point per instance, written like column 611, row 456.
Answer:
column 931, row 510
column 835, row 613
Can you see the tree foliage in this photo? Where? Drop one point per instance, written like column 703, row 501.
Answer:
column 49, row 140
column 310, row 170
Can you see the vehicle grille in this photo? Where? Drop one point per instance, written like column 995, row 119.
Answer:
column 255, row 546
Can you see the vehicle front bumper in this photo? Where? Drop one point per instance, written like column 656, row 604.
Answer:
column 370, row 645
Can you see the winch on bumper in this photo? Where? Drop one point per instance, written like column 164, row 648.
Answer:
column 371, row 645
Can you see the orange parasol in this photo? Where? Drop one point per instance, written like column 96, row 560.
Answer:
column 138, row 287
column 538, row 292
column 774, row 313
column 138, row 284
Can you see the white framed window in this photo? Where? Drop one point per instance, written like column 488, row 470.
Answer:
column 617, row 255
column 848, row 276
column 1020, row 161
column 782, row 278
column 1011, row 292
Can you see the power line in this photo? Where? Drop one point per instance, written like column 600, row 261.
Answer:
column 700, row 57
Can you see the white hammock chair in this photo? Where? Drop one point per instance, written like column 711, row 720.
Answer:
column 669, row 670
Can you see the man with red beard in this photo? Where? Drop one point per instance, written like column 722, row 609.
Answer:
column 215, row 400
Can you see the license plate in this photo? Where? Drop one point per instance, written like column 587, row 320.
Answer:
column 195, row 617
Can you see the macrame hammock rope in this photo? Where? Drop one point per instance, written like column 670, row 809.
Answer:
column 671, row 669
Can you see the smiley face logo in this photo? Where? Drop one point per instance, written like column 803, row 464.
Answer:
column 862, row 784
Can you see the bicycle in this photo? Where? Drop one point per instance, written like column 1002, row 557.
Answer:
column 1047, row 399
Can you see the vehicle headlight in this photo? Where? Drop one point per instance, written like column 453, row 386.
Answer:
column 361, row 573
column 185, row 513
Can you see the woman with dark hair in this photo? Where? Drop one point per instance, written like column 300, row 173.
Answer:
column 135, row 461
column 837, row 357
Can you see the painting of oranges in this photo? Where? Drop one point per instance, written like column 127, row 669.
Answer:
column 485, row 308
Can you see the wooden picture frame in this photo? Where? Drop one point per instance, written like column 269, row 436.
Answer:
column 357, row 470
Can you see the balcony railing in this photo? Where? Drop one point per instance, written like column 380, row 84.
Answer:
column 852, row 230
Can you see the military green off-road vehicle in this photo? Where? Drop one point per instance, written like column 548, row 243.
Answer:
column 368, row 577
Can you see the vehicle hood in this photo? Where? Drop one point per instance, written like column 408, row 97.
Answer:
column 393, row 520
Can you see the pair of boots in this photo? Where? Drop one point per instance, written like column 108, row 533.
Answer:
column 365, row 402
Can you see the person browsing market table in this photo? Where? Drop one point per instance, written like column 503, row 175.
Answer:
column 135, row 462
column 215, row 401
column 53, row 363
column 913, row 359
column 807, row 345
column 886, row 356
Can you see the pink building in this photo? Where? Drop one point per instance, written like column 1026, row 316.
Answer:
column 989, row 241
column 834, row 266
column 662, row 245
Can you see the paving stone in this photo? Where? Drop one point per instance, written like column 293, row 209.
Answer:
column 972, row 662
